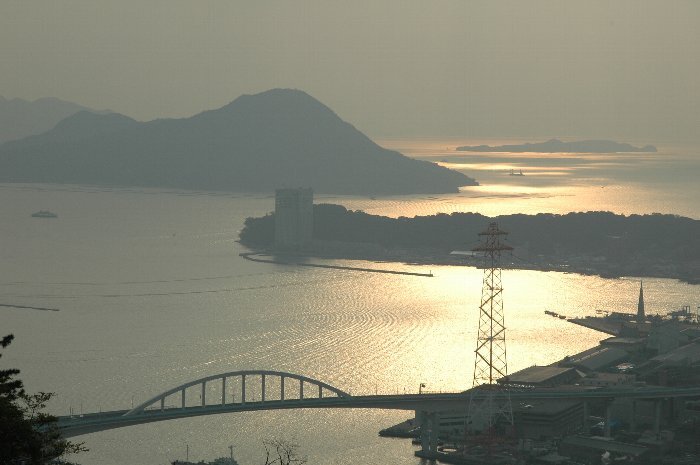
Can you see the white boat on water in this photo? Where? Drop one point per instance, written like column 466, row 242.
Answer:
column 44, row 214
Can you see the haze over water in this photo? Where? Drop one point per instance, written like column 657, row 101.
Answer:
column 624, row 183
column 151, row 293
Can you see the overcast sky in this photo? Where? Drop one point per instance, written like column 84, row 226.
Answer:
column 405, row 68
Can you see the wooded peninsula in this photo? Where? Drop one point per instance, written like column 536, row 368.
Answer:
column 602, row 243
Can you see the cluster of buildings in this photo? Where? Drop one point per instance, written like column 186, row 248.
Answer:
column 641, row 352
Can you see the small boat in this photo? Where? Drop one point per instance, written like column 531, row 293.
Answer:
column 519, row 173
column 44, row 214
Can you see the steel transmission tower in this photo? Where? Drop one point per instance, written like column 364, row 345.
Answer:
column 490, row 362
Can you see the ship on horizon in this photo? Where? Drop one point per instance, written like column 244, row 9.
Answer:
column 44, row 214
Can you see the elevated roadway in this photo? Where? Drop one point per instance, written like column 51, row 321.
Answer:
column 94, row 422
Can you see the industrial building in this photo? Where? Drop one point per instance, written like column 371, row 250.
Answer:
column 541, row 376
column 592, row 410
column 548, row 418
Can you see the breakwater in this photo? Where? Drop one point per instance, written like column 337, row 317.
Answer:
column 255, row 257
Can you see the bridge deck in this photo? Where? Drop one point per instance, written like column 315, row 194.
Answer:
column 94, row 422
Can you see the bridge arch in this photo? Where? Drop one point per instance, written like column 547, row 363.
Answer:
column 159, row 400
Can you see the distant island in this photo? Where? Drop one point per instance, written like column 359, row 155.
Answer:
column 21, row 118
column 557, row 146
column 281, row 137
column 601, row 243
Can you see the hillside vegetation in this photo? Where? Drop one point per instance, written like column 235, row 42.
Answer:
column 592, row 242
column 257, row 143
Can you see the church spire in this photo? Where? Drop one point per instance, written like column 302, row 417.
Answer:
column 640, row 305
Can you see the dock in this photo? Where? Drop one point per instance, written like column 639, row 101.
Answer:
column 613, row 328
column 602, row 324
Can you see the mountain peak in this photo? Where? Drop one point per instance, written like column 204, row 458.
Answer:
column 255, row 143
column 289, row 100
column 88, row 123
column 279, row 94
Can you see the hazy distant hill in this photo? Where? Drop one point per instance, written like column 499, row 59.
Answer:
column 256, row 143
column 557, row 146
column 21, row 118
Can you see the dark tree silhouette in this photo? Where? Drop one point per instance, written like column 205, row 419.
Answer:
column 282, row 452
column 588, row 242
column 27, row 434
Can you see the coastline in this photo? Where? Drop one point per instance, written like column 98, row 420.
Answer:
column 589, row 266
column 591, row 243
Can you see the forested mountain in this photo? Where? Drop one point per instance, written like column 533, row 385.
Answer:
column 278, row 138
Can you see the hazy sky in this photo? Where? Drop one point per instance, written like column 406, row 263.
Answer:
column 521, row 68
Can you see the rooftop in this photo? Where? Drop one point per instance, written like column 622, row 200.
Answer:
column 618, row 340
column 540, row 374
column 689, row 353
column 596, row 358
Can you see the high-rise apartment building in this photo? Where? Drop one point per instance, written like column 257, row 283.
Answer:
column 294, row 218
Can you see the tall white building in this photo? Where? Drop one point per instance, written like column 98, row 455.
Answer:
column 294, row 218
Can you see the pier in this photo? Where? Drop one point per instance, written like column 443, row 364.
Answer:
column 613, row 328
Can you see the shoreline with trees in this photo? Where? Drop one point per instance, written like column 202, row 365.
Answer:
column 600, row 243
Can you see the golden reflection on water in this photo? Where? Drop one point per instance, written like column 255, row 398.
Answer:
column 143, row 310
column 506, row 169
column 623, row 183
column 504, row 189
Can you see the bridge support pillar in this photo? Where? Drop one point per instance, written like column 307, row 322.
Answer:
column 281, row 387
column 672, row 409
column 301, row 389
column 434, row 428
column 263, row 387
column 182, row 394
column 242, row 389
column 204, row 393
column 424, row 433
column 223, row 391
column 657, row 416
column 428, row 423
column 633, row 416
column 320, row 392
column 162, row 404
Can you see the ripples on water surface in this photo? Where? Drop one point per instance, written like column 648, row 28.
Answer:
column 152, row 293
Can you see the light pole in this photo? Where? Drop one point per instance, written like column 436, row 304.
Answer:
column 420, row 388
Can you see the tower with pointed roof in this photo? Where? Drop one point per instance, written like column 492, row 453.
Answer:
column 640, row 305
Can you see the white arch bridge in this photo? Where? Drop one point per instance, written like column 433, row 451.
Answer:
column 251, row 390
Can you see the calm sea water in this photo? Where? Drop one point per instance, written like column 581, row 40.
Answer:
column 151, row 293
column 626, row 183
